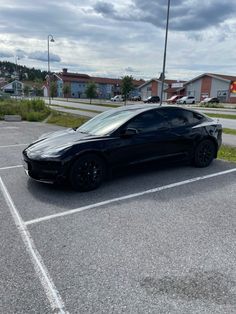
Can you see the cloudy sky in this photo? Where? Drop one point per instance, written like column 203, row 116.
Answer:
column 113, row 38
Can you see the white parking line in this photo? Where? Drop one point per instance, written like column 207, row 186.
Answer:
column 161, row 188
column 13, row 145
column 9, row 127
column 41, row 270
column 11, row 167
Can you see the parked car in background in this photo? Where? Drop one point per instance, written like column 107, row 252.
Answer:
column 120, row 137
column 136, row 98
column 173, row 99
column 152, row 99
column 210, row 100
column 117, row 98
column 186, row 100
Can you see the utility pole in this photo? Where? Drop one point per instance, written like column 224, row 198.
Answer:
column 164, row 58
column 51, row 39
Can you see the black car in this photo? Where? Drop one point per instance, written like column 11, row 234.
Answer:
column 119, row 137
column 210, row 100
column 152, row 99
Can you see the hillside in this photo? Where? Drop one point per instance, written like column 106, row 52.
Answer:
column 9, row 71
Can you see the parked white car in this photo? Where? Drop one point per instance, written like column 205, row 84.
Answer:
column 186, row 100
column 117, row 98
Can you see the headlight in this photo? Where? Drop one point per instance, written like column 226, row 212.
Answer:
column 55, row 152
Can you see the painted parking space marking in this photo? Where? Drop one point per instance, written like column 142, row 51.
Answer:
column 129, row 196
column 13, row 145
column 11, row 167
column 9, row 127
column 52, row 294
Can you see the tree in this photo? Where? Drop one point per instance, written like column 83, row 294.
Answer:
column 127, row 86
column 91, row 91
column 66, row 90
column 53, row 89
column 26, row 90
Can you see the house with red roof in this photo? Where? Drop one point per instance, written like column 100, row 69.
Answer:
column 106, row 87
column 211, row 85
column 153, row 88
column 205, row 85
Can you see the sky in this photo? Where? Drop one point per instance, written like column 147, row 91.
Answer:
column 121, row 37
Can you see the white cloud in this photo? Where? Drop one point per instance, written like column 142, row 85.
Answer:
column 113, row 38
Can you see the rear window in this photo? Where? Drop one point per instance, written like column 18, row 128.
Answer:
column 180, row 117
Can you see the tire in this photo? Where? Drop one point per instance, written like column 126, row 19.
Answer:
column 87, row 172
column 204, row 153
column 184, row 102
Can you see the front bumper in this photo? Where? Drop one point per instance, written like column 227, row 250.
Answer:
column 44, row 171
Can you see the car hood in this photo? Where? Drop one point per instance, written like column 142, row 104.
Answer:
column 56, row 143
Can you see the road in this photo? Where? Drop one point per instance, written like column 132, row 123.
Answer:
column 226, row 123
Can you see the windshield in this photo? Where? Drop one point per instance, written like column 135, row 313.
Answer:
column 107, row 122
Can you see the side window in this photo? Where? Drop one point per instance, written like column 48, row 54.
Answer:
column 147, row 122
column 178, row 117
column 197, row 117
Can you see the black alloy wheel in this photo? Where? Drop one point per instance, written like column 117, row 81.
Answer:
column 204, row 153
column 87, row 173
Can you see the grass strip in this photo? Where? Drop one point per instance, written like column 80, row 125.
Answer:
column 227, row 153
column 229, row 131
column 66, row 119
column 221, row 115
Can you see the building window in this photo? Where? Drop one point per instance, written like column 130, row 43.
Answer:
column 222, row 95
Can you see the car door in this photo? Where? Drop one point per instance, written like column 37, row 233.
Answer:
column 147, row 141
column 182, row 133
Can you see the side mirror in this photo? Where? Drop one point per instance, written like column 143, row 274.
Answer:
column 129, row 132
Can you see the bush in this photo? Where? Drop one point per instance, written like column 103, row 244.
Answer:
column 212, row 105
column 31, row 110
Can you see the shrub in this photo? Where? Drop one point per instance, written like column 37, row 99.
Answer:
column 31, row 110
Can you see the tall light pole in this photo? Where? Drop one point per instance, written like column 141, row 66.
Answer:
column 50, row 39
column 164, row 59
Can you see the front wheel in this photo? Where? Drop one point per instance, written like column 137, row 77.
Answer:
column 204, row 153
column 87, row 173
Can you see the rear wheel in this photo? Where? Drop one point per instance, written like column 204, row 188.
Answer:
column 87, row 173
column 204, row 153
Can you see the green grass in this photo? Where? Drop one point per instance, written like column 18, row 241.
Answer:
column 229, row 131
column 66, row 120
column 221, row 115
column 227, row 153
column 30, row 110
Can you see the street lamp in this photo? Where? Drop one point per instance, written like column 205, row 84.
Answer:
column 164, row 59
column 50, row 39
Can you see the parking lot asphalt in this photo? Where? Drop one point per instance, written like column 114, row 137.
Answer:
column 153, row 239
